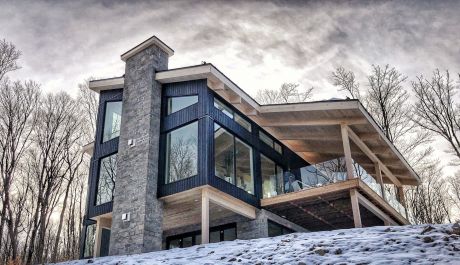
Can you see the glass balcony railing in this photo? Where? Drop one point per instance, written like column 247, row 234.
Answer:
column 334, row 171
column 390, row 197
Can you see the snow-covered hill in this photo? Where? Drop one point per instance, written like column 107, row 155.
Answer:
column 425, row 244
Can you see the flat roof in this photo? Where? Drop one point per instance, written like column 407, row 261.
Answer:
column 310, row 129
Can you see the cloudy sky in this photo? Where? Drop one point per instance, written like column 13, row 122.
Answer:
column 257, row 44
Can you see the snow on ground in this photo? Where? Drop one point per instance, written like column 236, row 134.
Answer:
column 423, row 244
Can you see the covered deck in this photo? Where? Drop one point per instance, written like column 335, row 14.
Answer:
column 364, row 188
column 333, row 206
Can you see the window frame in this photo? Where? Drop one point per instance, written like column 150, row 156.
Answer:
column 274, row 144
column 194, row 234
column 167, row 149
column 168, row 98
column 232, row 114
column 277, row 166
column 102, row 141
column 99, row 177
column 252, row 156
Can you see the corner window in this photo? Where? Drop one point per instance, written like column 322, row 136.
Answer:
column 272, row 178
column 233, row 159
column 89, row 241
column 230, row 113
column 178, row 103
column 106, row 181
column 112, row 120
column 270, row 142
column 182, row 153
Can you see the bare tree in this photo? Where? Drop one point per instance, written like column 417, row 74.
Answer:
column 287, row 93
column 9, row 56
column 53, row 134
column 436, row 111
column 17, row 104
column 347, row 82
column 89, row 104
column 388, row 102
column 429, row 202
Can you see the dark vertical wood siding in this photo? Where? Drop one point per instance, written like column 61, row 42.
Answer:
column 205, row 112
column 101, row 150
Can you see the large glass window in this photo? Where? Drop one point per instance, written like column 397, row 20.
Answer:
column 244, row 174
column 233, row 159
column 112, row 120
column 178, row 103
column 106, row 181
column 89, row 241
column 272, row 177
column 182, row 153
column 270, row 142
column 230, row 113
column 216, row 234
column 223, row 154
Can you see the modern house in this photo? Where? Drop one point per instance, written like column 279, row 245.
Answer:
column 184, row 156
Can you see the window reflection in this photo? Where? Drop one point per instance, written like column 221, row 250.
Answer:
column 182, row 153
column 223, row 154
column 112, row 120
column 272, row 177
column 89, row 241
column 106, row 181
column 230, row 113
column 178, row 103
column 244, row 174
column 233, row 160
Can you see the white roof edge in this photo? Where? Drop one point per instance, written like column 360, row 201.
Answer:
column 390, row 144
column 150, row 41
column 311, row 106
column 202, row 72
column 107, row 84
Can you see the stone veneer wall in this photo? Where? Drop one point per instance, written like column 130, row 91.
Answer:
column 137, row 170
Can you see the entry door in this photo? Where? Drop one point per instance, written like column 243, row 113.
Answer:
column 105, row 242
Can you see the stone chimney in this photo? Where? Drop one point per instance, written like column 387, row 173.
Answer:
column 137, row 212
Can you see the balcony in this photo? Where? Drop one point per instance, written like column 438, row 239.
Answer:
column 324, row 177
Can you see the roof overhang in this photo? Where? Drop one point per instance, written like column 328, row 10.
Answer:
column 106, row 84
column 311, row 129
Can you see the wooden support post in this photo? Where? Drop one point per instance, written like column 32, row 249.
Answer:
column 355, row 208
column 204, row 217
column 347, row 150
column 379, row 177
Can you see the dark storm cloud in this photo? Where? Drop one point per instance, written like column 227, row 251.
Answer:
column 66, row 40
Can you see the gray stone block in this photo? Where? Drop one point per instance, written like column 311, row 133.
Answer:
column 137, row 170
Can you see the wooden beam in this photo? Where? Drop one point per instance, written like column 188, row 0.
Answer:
column 216, row 85
column 330, row 136
column 266, row 122
column 372, row 156
column 231, row 203
column 379, row 178
column 347, row 150
column 204, row 216
column 373, row 209
column 355, row 207
column 309, row 193
column 335, row 208
column 374, row 197
column 317, row 217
